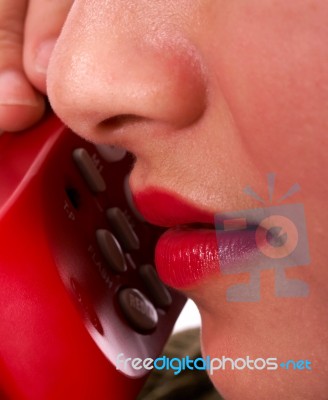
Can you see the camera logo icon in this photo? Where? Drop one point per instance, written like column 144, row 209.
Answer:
column 276, row 236
column 259, row 239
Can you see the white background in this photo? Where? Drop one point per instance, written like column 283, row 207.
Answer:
column 189, row 317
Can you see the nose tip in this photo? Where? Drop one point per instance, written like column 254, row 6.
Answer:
column 118, row 84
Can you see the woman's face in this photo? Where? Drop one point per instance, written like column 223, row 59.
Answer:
column 211, row 96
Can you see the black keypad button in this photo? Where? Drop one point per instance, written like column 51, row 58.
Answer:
column 160, row 295
column 122, row 229
column 111, row 153
column 138, row 310
column 129, row 198
column 111, row 250
column 89, row 171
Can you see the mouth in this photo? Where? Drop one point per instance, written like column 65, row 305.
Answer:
column 194, row 247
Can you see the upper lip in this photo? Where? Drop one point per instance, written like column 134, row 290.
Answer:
column 167, row 209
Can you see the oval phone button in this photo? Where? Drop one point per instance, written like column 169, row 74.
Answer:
column 111, row 153
column 158, row 291
column 122, row 229
column 138, row 310
column 90, row 173
column 111, row 250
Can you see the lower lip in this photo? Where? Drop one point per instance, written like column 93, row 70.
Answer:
column 185, row 257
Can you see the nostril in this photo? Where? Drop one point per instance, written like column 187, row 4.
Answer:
column 119, row 121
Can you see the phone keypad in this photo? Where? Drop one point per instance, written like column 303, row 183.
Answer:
column 115, row 245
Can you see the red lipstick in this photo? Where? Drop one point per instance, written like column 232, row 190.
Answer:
column 192, row 249
column 185, row 256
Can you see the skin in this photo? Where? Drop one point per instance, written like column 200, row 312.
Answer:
column 210, row 96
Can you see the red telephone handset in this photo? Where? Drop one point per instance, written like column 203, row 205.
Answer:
column 78, row 287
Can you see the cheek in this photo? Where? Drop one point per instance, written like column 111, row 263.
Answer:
column 269, row 65
column 266, row 330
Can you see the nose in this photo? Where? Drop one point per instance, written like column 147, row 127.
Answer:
column 115, row 69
